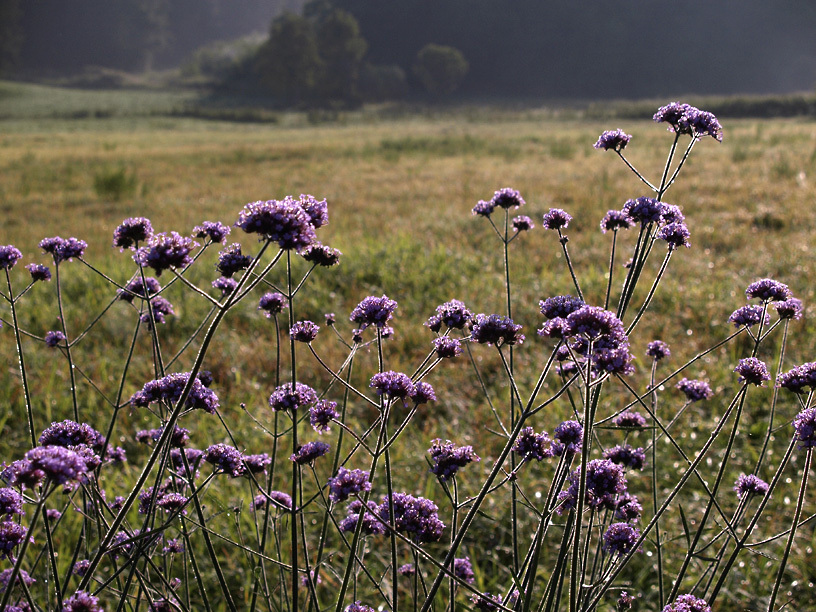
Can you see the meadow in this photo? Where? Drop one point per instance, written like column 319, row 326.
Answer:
column 400, row 191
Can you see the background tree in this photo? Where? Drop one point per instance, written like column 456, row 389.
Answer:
column 341, row 50
column 11, row 34
column 289, row 63
column 440, row 69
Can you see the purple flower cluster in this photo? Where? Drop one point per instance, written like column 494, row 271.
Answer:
column 310, row 451
column 372, row 525
column 560, row 306
column 555, row 219
column 215, row 231
column 613, row 140
column 748, row 316
column 415, row 516
column 658, row 350
column 318, row 210
column 614, row 220
column 446, row 347
column 161, row 308
column 359, row 606
column 82, row 601
column 604, row 481
column 568, row 438
column 423, row 393
column 272, row 304
column 11, row 534
column 453, row 314
column 225, row 285
column 804, row 424
column 54, row 338
column 131, row 232
column 688, row 603
column 628, row 508
column 38, row 272
column 168, row 389
column 63, row 249
column 749, row 484
column 752, row 371
column 645, row 210
column 225, row 458
column 687, row 119
column 304, row 331
column 503, row 198
column 347, row 483
column 522, row 223
column 135, row 287
column 178, row 439
column 277, row 498
column 285, row 222
column 620, row 538
column 70, row 433
column 495, row 329
column 60, row 465
column 448, row 458
column 675, row 235
column 321, row 415
column 463, row 569
column 9, row 255
column 627, row 456
column 789, row 309
column 695, row 390
column 392, row 384
column 287, row 398
column 231, row 260
column 11, row 502
column 531, row 445
column 321, row 255
column 768, row 290
column 165, row 251
column 373, row 311
column 629, row 419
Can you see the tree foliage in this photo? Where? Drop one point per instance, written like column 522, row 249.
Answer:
column 440, row 69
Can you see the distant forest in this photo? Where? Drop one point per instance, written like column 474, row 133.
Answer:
column 513, row 48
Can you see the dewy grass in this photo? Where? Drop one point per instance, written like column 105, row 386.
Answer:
column 570, row 477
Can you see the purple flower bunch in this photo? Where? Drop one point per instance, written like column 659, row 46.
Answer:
column 289, row 222
column 168, row 389
column 448, row 458
column 165, row 251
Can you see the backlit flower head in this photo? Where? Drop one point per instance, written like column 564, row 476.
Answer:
column 317, row 210
column 54, row 338
column 567, row 438
column 284, row 222
column 448, row 458
column 321, row 255
column 644, row 210
column 507, row 198
column 304, row 331
column 688, row 603
column 613, row 140
column 373, row 311
column 483, row 209
column 495, row 329
column 371, row 524
column 272, row 304
column 446, row 347
column 695, row 390
column 748, row 316
column 63, row 249
column 531, row 445
column 215, row 231
column 658, row 350
column 522, row 223
column 231, row 260
column 620, row 538
column 629, row 419
column 38, row 272
column 135, row 287
column 614, row 220
column 322, row 414
column 347, row 483
column 789, row 309
column 750, row 484
column 423, row 393
column 675, row 235
column 70, row 433
column 392, row 384
column 752, row 371
column 453, row 314
column 463, row 570
column 165, row 251
column 287, row 398
column 225, row 458
column 555, row 219
column 310, row 451
column 169, row 389
column 225, row 285
column 82, row 601
column 799, row 378
column 161, row 309
column 416, row 517
column 11, row 502
column 804, row 424
column 9, row 255
column 560, row 306
column 132, row 231
column 768, row 290
column 627, row 456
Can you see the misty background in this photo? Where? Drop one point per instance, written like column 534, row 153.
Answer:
column 550, row 49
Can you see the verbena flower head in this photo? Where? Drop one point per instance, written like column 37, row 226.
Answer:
column 272, row 304
column 448, row 458
column 702, row 123
column 392, row 384
column 799, row 378
column 748, row 316
column 568, row 438
column 627, row 456
column 613, row 140
column 215, row 231
column 135, row 287
column 11, row 502
column 675, row 235
column 321, row 255
column 804, row 424
column 672, row 114
column 507, row 198
column 616, row 360
column 63, row 249
column 595, row 323
column 645, row 210
column 60, row 465
column 406, row 570
column 556, row 219
column 279, row 498
column 9, row 255
column 415, row 517
column 282, row 221
column 231, row 260
column 752, row 371
column 318, row 210
column 70, row 433
column 627, row 507
column 38, row 272
column 225, row 285
column 225, row 459
column 560, row 306
column 287, row 398
column 486, row 602
column 749, row 484
column 347, row 483
column 257, row 463
column 446, row 347
column 373, row 310
column 23, row 577
column 463, row 569
column 82, row 601
column 671, row 213
column 423, row 393
column 522, row 223
column 172, row 502
column 321, row 415
column 695, row 390
column 625, row 602
column 614, row 220
column 11, row 535
column 531, row 445
column 132, row 231
column 495, row 329
column 789, row 309
column 453, row 314
column 168, row 389
column 768, row 290
column 358, row 606
column 178, row 439
column 483, row 209
column 371, row 524
column 620, row 538
column 165, row 251
column 629, row 419
column 161, row 309
column 688, row 603
column 604, row 481
column 304, row 331
column 658, row 350
column 54, row 338
column 310, row 451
